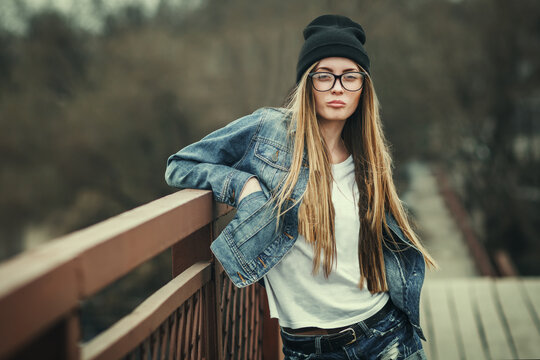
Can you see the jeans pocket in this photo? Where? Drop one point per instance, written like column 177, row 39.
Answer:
column 295, row 355
column 393, row 322
column 417, row 355
column 395, row 338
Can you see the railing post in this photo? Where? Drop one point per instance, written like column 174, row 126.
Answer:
column 211, row 306
column 217, row 328
column 271, row 338
column 217, row 226
column 196, row 247
column 211, row 323
column 61, row 341
column 73, row 335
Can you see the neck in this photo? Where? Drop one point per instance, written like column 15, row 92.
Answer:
column 331, row 133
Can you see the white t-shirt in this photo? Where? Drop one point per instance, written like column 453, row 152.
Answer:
column 300, row 299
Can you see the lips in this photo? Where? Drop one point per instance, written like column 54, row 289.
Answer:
column 336, row 103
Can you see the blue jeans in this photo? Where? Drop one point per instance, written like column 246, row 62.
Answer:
column 393, row 337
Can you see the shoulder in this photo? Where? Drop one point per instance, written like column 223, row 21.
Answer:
column 262, row 122
column 263, row 117
column 274, row 114
column 274, row 121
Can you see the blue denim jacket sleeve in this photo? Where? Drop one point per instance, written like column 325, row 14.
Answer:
column 211, row 162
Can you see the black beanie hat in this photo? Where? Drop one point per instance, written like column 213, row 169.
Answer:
column 329, row 36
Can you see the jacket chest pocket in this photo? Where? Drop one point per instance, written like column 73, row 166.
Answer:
column 273, row 162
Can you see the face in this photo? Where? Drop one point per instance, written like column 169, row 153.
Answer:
column 336, row 104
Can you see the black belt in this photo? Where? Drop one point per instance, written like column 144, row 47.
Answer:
column 348, row 335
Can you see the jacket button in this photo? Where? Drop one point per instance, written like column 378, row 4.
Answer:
column 241, row 277
column 275, row 157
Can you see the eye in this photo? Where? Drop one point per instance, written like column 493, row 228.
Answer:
column 350, row 77
column 322, row 77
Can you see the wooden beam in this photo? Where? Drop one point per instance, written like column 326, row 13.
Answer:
column 513, row 301
column 31, row 302
column 531, row 286
column 445, row 341
column 465, row 317
column 426, row 322
column 491, row 320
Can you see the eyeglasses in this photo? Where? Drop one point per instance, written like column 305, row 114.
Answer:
column 325, row 81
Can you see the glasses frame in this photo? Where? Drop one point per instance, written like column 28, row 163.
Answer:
column 336, row 77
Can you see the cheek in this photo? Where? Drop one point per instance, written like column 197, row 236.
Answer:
column 356, row 100
column 318, row 102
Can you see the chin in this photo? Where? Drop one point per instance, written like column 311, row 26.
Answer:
column 335, row 116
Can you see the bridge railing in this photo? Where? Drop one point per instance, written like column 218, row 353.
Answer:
column 199, row 314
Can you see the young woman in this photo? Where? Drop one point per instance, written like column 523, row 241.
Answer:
column 318, row 217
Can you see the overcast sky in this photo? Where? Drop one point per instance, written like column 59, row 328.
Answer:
column 87, row 14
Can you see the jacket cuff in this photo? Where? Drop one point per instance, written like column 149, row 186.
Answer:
column 234, row 184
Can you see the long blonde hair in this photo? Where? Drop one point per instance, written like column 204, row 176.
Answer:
column 364, row 139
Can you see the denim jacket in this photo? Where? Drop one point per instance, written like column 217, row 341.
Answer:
column 252, row 243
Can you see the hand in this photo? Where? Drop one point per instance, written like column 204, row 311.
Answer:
column 251, row 186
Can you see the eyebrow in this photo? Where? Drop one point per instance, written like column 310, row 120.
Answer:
column 330, row 70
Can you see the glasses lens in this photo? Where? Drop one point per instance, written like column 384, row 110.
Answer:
column 322, row 81
column 352, row 81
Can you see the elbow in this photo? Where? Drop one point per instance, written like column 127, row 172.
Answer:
column 168, row 176
column 179, row 173
column 170, row 172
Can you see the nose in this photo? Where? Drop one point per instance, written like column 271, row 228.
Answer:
column 337, row 88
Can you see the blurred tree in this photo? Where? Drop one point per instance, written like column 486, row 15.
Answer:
column 511, row 37
column 55, row 54
column 46, row 65
column 6, row 62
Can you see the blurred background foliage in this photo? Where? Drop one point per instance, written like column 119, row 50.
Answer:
column 95, row 95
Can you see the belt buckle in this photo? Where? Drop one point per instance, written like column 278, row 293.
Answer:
column 353, row 333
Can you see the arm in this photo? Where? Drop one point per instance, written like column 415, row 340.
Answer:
column 212, row 163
